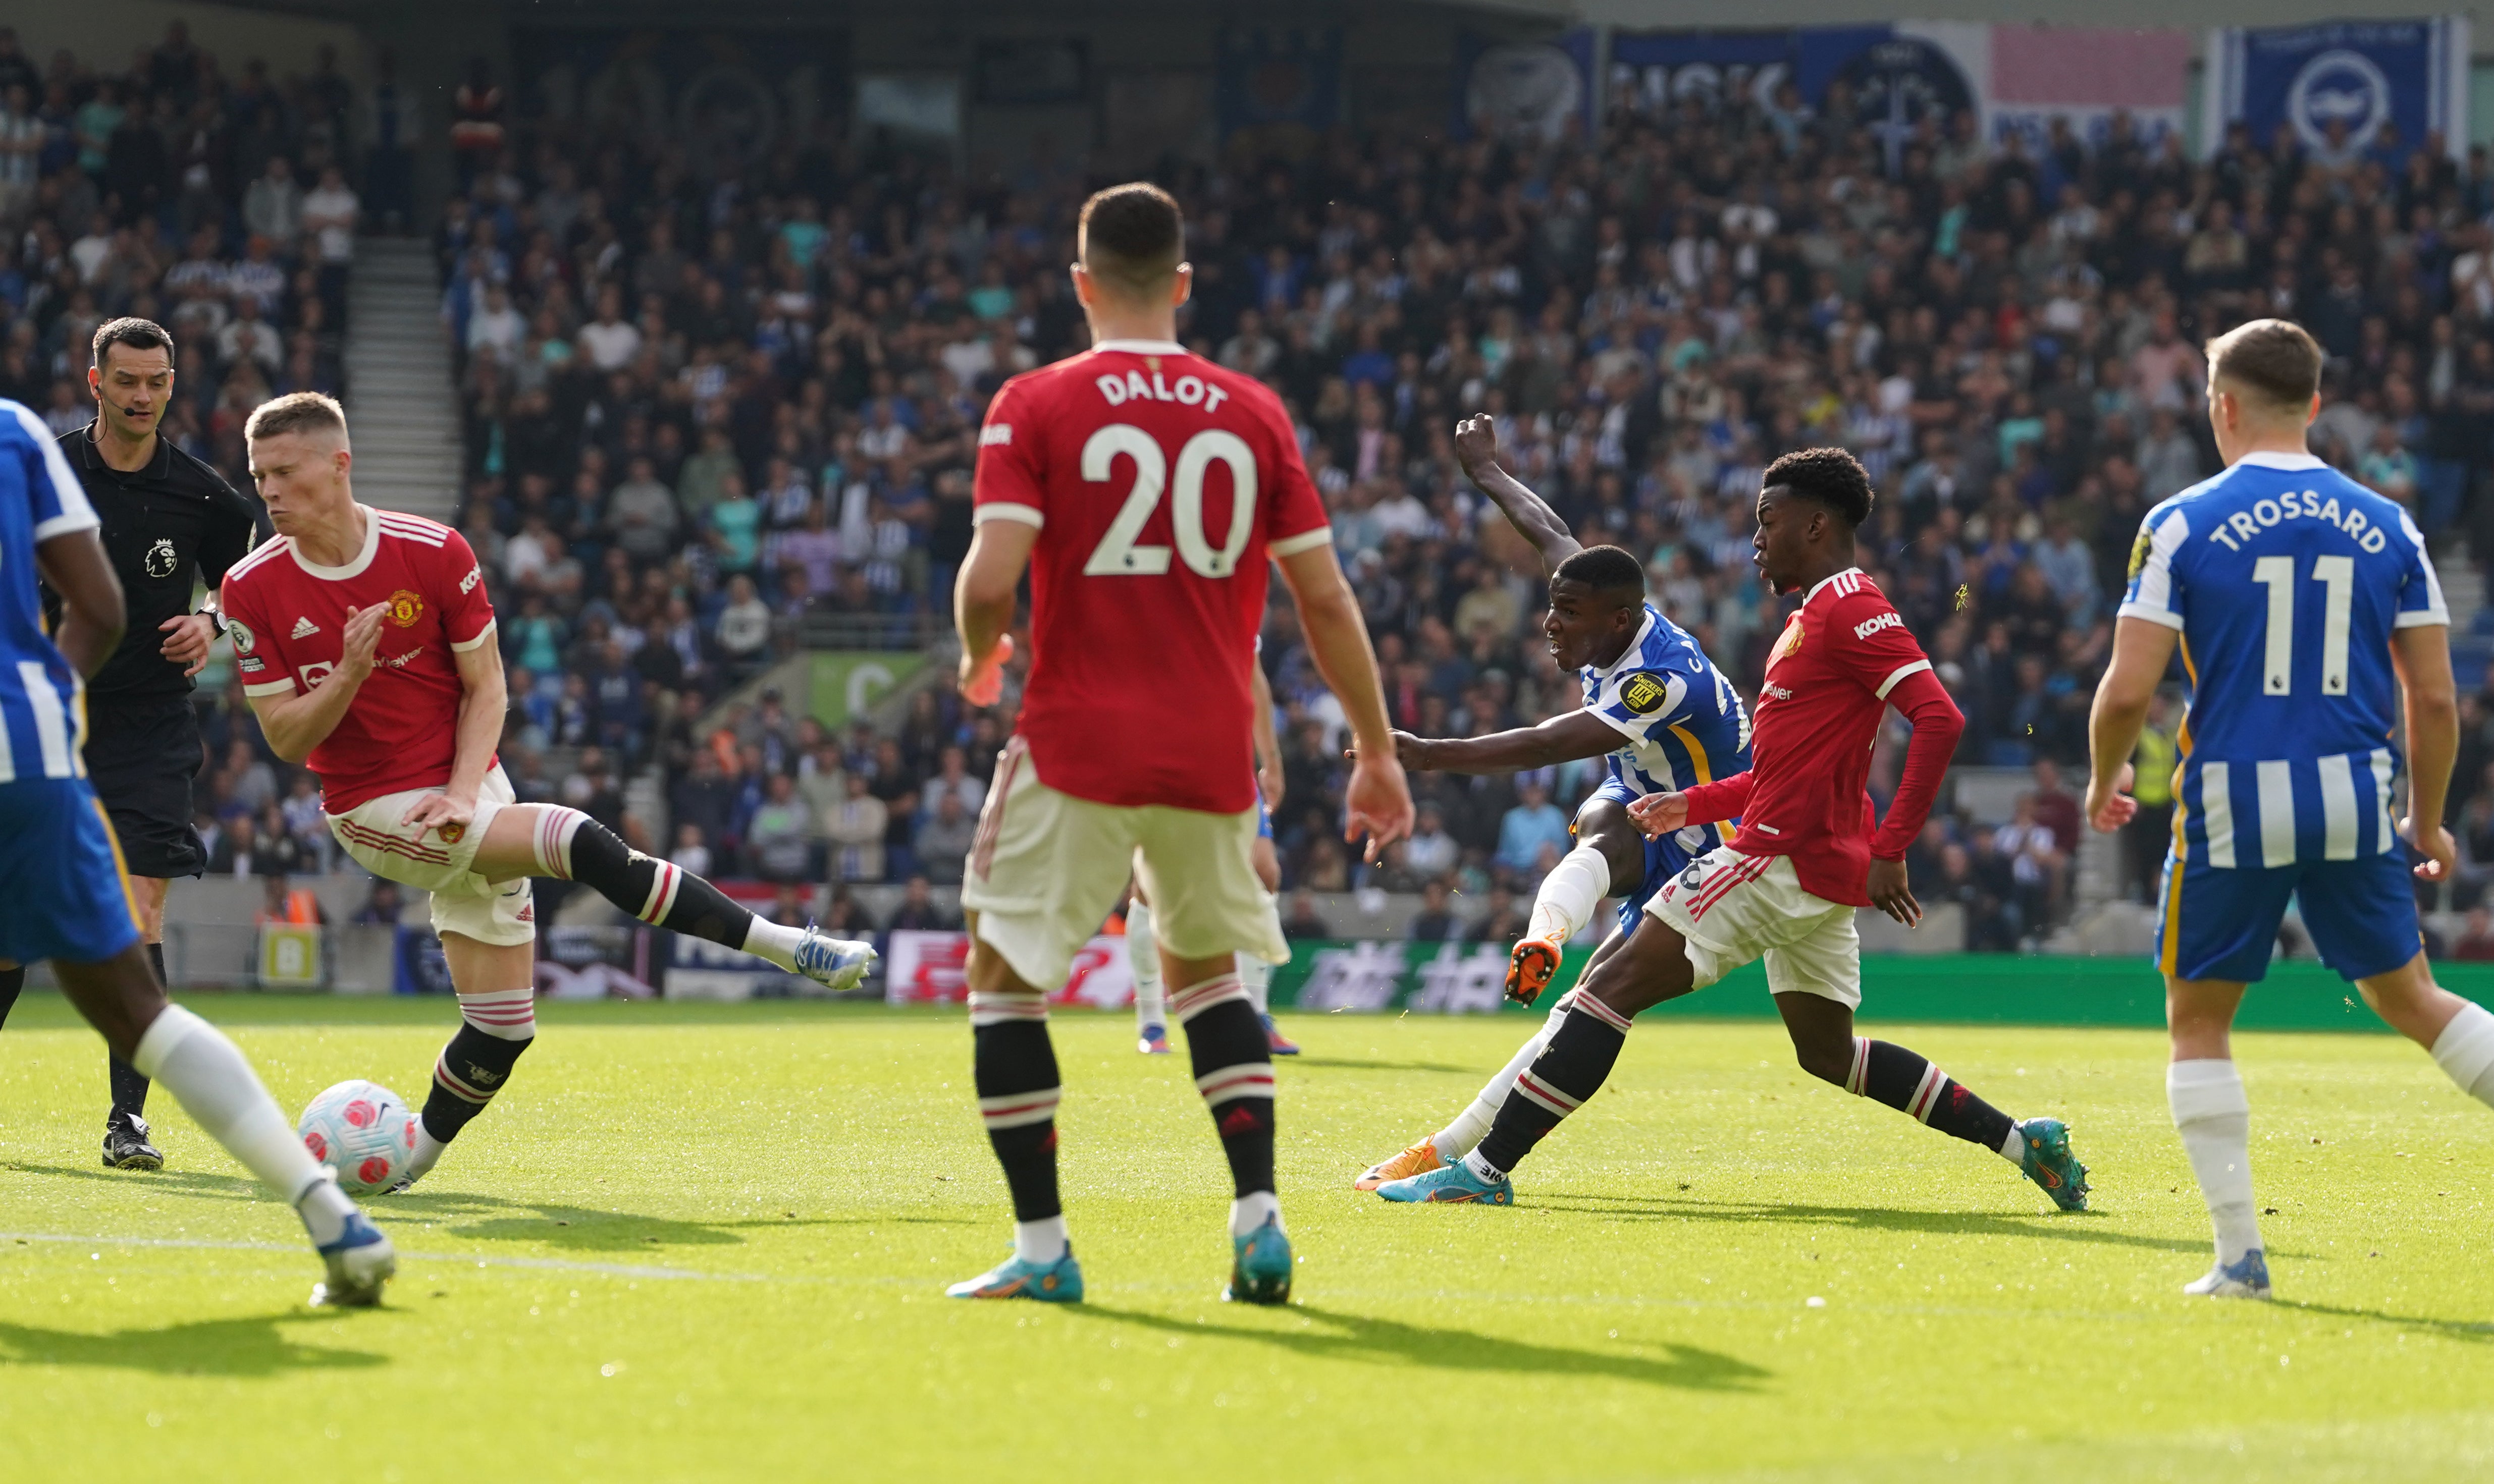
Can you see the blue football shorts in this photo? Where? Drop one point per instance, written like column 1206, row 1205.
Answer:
column 63, row 894
column 1665, row 857
column 2221, row 923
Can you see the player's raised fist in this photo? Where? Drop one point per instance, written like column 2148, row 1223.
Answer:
column 1659, row 814
column 983, row 676
column 1476, row 443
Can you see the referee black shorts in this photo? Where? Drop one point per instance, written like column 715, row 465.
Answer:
column 141, row 756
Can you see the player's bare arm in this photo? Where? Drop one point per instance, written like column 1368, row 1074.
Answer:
column 1563, row 739
column 92, row 613
column 2421, row 655
column 983, row 605
column 1476, row 450
column 295, row 724
column 1378, row 800
column 1267, row 742
column 482, row 702
column 2141, row 651
column 187, row 639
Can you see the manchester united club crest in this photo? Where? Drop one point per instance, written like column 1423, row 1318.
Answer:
column 452, row 834
column 162, row 559
column 1794, row 633
column 405, row 608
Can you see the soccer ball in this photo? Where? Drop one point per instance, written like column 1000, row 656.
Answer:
column 363, row 1132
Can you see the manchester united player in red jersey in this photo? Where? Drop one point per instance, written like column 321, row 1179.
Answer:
column 1146, row 490
column 1809, row 851
column 364, row 641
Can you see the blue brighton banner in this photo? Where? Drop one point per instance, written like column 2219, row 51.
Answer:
column 1523, row 90
column 2351, row 90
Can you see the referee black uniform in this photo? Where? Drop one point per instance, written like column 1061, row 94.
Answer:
column 167, row 527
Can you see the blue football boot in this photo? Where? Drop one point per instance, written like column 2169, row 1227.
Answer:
column 835, row 963
column 1050, row 1283
column 360, row 1261
column 2247, row 1277
column 1455, row 1182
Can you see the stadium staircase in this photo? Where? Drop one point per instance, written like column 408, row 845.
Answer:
column 402, row 400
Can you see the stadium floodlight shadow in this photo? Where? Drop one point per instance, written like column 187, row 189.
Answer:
column 181, row 1182
column 1356, row 1064
column 1326, row 1334
column 248, row 1346
column 2063, row 1225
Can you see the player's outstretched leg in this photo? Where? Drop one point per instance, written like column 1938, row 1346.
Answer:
column 217, row 1088
column 1649, row 966
column 1143, row 956
column 1823, row 1039
column 549, row 840
column 1609, row 849
column 1233, row 1072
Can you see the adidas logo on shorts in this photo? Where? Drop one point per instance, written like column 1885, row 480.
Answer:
column 304, row 627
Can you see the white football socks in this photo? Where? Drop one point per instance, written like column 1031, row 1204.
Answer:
column 2214, row 1118
column 774, row 941
column 1143, row 956
column 1040, row 1241
column 1249, row 1211
column 1470, row 1126
column 1256, row 977
column 1568, row 895
column 2465, row 1051
column 216, row 1086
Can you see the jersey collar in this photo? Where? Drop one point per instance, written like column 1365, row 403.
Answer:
column 1142, row 347
column 1823, row 582
column 160, row 464
column 362, row 558
column 2270, row 458
column 1629, row 655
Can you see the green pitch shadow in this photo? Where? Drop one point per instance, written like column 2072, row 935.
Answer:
column 2478, row 1331
column 232, row 1347
column 574, row 1229
column 1354, row 1064
column 184, row 1182
column 2069, row 1226
column 1387, row 1341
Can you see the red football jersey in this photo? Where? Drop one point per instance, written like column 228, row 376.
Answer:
column 1160, row 484
column 288, row 618
column 1827, row 685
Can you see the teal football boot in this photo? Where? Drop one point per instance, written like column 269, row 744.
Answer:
column 2049, row 1164
column 1455, row 1182
column 1050, row 1283
column 1260, row 1267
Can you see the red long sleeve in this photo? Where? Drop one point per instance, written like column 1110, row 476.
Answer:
column 1920, row 699
column 1722, row 798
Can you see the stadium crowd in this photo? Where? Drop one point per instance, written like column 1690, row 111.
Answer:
column 716, row 405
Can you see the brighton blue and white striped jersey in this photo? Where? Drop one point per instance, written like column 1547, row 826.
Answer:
column 1682, row 722
column 41, row 705
column 2286, row 578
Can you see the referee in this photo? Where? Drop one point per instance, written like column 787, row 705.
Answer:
column 169, row 521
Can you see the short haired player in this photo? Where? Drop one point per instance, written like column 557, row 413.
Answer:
column 1148, row 492
column 2305, row 605
column 63, row 895
column 1809, row 853
column 1659, row 714
column 364, row 639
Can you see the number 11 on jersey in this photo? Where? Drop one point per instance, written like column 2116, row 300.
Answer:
column 2277, row 574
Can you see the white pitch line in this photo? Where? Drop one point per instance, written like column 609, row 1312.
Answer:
column 553, row 1264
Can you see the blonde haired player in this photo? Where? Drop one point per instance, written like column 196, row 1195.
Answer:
column 365, row 642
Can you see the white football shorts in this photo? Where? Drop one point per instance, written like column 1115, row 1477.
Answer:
column 1732, row 908
column 503, row 913
column 1048, row 867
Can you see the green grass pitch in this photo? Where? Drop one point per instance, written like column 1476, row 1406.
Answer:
column 698, row 1243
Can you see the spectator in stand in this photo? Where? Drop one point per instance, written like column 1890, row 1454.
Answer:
column 1303, row 921
column 780, row 837
column 856, row 832
column 381, row 905
column 2476, row 944
column 920, row 912
column 944, row 839
column 1433, row 923
column 1530, row 830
